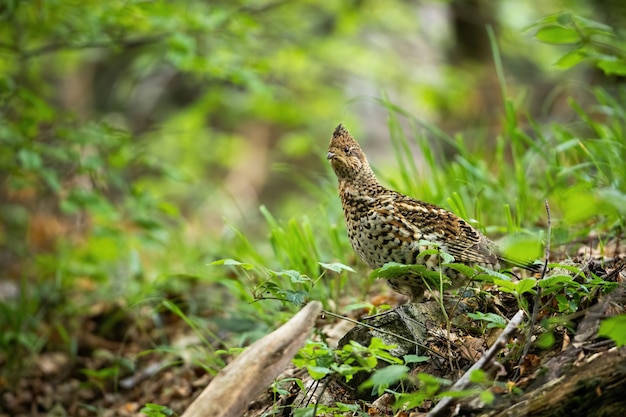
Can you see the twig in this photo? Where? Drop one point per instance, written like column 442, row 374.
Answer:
column 377, row 329
column 537, row 298
column 442, row 407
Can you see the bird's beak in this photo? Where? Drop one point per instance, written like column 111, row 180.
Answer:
column 330, row 155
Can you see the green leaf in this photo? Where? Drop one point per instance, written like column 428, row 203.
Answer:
column 487, row 397
column 296, row 297
column 446, row 258
column 378, row 343
column 557, row 35
column 318, row 372
column 614, row 328
column 156, row 410
column 232, row 262
column 394, row 269
column 492, row 319
column 428, row 252
column 546, row 340
column 505, row 285
column 415, row 359
column 29, row 159
column 555, row 282
column 593, row 25
column 520, row 248
column 526, row 285
column 466, row 270
column 478, row 376
column 499, row 276
column 294, row 276
column 336, row 267
column 570, row 59
column 383, row 378
column 613, row 67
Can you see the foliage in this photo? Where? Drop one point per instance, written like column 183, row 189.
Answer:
column 97, row 105
column 615, row 328
column 321, row 361
column 155, row 410
column 125, row 132
column 588, row 39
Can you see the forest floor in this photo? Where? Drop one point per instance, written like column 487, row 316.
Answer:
column 117, row 371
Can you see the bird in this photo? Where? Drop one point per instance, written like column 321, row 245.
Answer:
column 386, row 226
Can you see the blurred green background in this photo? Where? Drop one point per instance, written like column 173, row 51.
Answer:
column 143, row 140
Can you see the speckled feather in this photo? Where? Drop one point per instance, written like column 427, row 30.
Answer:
column 386, row 226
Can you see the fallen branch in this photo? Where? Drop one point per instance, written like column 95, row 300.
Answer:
column 442, row 408
column 235, row 386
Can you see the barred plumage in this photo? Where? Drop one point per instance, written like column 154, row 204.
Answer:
column 386, row 226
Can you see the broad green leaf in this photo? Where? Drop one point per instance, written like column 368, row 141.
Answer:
column 232, row 262
column 478, row 376
column 614, row 328
column 318, row 372
column 386, row 376
column 377, row 343
column 492, row 319
column 336, row 267
column 446, row 258
column 462, row 268
column 486, row 396
column 526, row 285
column 29, row 159
column 415, row 359
column 546, row 340
column 295, row 276
column 570, row 59
column 595, row 26
column 394, row 269
column 428, row 252
column 571, row 268
column 613, row 67
column 557, row 35
column 504, row 285
column 521, row 248
column 556, row 281
column 495, row 274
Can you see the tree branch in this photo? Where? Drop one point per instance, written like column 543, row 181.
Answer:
column 442, row 407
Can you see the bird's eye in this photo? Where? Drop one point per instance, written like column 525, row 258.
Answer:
column 346, row 149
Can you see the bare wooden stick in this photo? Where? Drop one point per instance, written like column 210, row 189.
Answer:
column 242, row 380
column 442, row 407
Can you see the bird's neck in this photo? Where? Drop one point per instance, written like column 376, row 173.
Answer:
column 363, row 185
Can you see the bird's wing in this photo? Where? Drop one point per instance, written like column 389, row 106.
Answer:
column 453, row 234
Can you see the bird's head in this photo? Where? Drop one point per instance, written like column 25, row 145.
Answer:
column 346, row 157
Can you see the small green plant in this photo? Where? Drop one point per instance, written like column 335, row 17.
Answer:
column 570, row 289
column 321, row 361
column 156, row 410
column 289, row 286
column 427, row 388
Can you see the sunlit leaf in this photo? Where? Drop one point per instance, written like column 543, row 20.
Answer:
column 557, row 35
column 614, row 328
column 383, row 378
column 415, row 359
column 232, row 262
column 336, row 267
